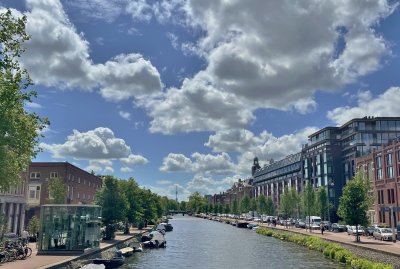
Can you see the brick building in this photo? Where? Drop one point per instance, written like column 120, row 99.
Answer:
column 81, row 185
column 382, row 167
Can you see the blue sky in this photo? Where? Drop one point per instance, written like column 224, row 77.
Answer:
column 186, row 93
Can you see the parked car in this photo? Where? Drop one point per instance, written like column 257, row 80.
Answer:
column 353, row 230
column 300, row 223
column 338, row 228
column 327, row 224
column 383, row 234
column 369, row 231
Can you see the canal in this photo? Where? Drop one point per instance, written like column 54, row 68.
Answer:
column 200, row 243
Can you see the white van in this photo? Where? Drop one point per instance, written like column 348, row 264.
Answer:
column 313, row 220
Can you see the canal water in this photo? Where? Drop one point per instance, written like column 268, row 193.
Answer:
column 200, row 243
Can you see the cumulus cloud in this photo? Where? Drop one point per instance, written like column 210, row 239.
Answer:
column 277, row 61
column 59, row 56
column 383, row 105
column 126, row 169
column 206, row 164
column 132, row 160
column 100, row 166
column 176, row 162
column 264, row 146
column 99, row 143
column 125, row 115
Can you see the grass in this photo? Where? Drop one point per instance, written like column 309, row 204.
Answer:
column 330, row 250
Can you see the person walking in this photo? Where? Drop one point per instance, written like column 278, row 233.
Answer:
column 24, row 236
column 322, row 228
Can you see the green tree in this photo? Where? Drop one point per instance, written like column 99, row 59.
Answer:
column 245, row 204
column 183, row 206
column 262, row 204
column 253, row 205
column 19, row 129
column 220, row 208
column 196, row 201
column 355, row 201
column 57, row 190
column 296, row 200
column 287, row 203
column 235, row 207
column 33, row 226
column 309, row 200
column 3, row 226
column 131, row 190
column 270, row 207
column 227, row 209
column 112, row 200
column 322, row 203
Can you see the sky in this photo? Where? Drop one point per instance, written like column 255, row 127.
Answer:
column 183, row 94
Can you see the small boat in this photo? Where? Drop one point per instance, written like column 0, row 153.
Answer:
column 126, row 252
column 138, row 249
column 252, row 225
column 166, row 226
column 242, row 224
column 157, row 240
column 109, row 263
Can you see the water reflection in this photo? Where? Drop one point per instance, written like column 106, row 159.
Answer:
column 199, row 243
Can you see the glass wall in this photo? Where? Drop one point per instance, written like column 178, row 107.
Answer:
column 69, row 227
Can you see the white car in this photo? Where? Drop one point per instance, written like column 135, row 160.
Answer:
column 383, row 234
column 352, row 230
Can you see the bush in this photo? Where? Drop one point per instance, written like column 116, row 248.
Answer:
column 331, row 250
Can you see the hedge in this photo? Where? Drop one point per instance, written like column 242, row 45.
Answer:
column 330, row 250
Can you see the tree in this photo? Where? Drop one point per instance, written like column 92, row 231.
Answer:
column 296, row 200
column 196, row 201
column 355, row 201
column 270, row 207
column 245, row 204
column 227, row 209
column 287, row 203
column 112, row 200
column 235, row 207
column 262, row 204
column 33, row 226
column 322, row 203
column 253, row 205
column 19, row 129
column 57, row 190
column 131, row 190
column 183, row 206
column 3, row 226
column 309, row 200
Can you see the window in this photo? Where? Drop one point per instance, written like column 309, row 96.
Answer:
column 53, row 174
column 77, row 195
column 89, row 183
column 84, row 196
column 34, row 192
column 379, row 174
column 389, row 165
column 79, row 180
column 35, row 175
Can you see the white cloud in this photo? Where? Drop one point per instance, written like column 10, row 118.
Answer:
column 125, row 115
column 139, row 10
column 164, row 182
column 126, row 169
column 107, row 10
column 176, row 162
column 100, row 166
column 59, row 56
column 264, row 146
column 384, row 105
column 278, row 60
column 174, row 40
column 99, row 143
column 134, row 160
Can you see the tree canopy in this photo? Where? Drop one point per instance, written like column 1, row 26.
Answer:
column 57, row 190
column 355, row 201
column 19, row 129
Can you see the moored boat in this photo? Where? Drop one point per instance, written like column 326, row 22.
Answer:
column 110, row 263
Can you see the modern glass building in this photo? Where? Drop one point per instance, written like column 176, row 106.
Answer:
column 69, row 228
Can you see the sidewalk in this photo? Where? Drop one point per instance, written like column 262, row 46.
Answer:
column 48, row 261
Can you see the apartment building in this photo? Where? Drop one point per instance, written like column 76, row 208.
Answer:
column 81, row 185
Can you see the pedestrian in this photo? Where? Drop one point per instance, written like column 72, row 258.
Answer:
column 24, row 236
column 322, row 228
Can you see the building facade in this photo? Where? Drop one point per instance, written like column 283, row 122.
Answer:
column 13, row 205
column 330, row 156
column 81, row 185
column 272, row 179
column 382, row 167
